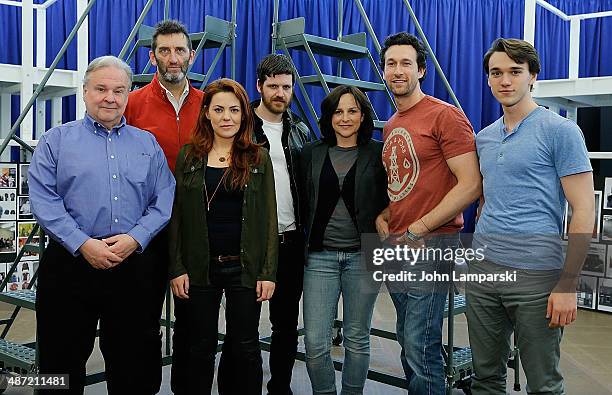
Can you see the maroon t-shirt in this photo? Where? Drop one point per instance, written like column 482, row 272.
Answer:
column 418, row 141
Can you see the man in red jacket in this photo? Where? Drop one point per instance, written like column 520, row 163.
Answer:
column 168, row 107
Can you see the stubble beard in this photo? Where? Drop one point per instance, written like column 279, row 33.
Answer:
column 268, row 103
column 407, row 92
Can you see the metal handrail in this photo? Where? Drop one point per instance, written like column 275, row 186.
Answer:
column 141, row 18
column 368, row 25
column 43, row 82
column 449, row 88
column 432, row 55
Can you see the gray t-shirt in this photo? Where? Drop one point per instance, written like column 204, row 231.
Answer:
column 341, row 231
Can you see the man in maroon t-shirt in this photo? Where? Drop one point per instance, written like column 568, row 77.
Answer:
column 430, row 159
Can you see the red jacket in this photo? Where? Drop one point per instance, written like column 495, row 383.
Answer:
column 148, row 108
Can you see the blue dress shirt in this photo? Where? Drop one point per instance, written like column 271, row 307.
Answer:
column 88, row 182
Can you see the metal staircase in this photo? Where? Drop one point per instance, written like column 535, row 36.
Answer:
column 290, row 35
column 19, row 358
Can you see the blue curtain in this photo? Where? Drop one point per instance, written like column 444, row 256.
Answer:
column 459, row 31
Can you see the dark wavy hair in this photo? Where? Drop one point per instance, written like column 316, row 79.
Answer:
column 244, row 153
column 330, row 104
column 167, row 27
column 273, row 65
column 404, row 38
column 520, row 51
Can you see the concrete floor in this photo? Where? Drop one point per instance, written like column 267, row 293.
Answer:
column 585, row 353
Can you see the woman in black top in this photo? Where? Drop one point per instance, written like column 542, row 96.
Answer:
column 223, row 235
column 345, row 190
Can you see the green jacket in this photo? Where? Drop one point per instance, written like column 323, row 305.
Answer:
column 189, row 250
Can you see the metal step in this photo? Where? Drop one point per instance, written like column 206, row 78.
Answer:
column 25, row 298
column 216, row 31
column 379, row 124
column 460, row 306
column 292, row 32
column 17, row 357
column 462, row 363
column 334, row 81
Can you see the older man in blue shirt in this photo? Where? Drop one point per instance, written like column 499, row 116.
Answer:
column 101, row 189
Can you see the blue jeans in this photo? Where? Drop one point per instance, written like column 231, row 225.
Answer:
column 328, row 274
column 420, row 309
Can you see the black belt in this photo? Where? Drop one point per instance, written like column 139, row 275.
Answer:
column 288, row 236
column 225, row 258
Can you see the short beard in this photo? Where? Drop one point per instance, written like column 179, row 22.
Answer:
column 268, row 104
column 173, row 78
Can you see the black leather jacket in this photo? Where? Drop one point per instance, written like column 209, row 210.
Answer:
column 295, row 135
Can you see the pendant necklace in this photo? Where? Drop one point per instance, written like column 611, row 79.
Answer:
column 221, row 158
column 209, row 200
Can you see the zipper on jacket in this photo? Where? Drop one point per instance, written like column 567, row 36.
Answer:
column 178, row 130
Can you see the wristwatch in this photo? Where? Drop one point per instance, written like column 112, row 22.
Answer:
column 412, row 236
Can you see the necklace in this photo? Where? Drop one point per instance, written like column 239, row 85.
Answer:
column 221, row 158
column 209, row 200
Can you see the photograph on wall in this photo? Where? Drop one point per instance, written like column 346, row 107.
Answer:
column 24, row 188
column 606, row 229
column 14, row 283
column 8, row 204
column 595, row 262
column 25, row 210
column 23, row 231
column 26, row 270
column 7, row 237
column 2, row 275
column 609, row 263
column 8, row 175
column 585, row 292
column 607, row 201
column 596, row 226
column 605, row 295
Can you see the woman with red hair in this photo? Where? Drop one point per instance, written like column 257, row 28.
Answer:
column 223, row 236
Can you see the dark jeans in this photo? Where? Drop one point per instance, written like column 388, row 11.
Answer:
column 72, row 297
column 195, row 337
column 284, row 313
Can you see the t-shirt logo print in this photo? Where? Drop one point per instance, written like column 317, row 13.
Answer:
column 401, row 164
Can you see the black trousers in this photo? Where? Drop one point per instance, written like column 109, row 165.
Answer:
column 284, row 313
column 195, row 337
column 72, row 297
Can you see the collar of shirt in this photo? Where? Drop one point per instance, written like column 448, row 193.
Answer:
column 502, row 124
column 97, row 128
column 177, row 104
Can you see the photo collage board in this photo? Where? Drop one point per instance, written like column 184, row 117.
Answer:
column 16, row 223
column 595, row 285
